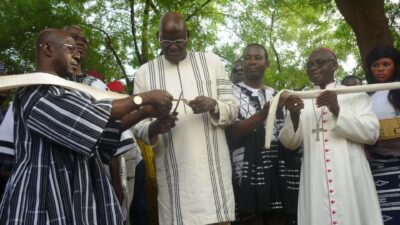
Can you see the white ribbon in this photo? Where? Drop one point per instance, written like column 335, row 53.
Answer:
column 21, row 80
column 15, row 81
column 315, row 93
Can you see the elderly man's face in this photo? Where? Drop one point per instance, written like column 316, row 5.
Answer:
column 321, row 67
column 173, row 43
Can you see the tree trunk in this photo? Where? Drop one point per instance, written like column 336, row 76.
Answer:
column 272, row 43
column 145, row 33
column 133, row 31
column 369, row 23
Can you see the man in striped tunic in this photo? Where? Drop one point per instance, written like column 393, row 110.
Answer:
column 58, row 177
column 194, row 175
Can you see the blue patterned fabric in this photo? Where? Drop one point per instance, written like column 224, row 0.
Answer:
column 386, row 173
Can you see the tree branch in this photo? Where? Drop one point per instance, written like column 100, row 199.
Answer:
column 145, row 33
column 194, row 13
column 154, row 7
column 109, row 45
column 133, row 31
column 271, row 42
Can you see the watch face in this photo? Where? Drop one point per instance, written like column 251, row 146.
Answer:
column 137, row 100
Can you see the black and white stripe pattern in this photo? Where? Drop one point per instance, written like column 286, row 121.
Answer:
column 211, row 135
column 59, row 177
column 199, row 74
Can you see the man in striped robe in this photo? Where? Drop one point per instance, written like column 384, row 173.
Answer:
column 59, row 178
column 194, row 175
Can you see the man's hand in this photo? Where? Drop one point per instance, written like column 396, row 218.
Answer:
column 163, row 125
column 294, row 104
column 265, row 109
column 329, row 99
column 152, row 111
column 159, row 98
column 202, row 104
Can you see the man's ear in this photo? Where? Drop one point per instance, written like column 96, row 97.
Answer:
column 48, row 49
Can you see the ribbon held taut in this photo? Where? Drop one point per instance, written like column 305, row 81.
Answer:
column 15, row 81
column 21, row 80
column 313, row 94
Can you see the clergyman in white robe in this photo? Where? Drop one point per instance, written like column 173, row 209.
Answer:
column 336, row 185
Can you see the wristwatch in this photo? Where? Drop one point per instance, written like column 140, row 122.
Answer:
column 137, row 100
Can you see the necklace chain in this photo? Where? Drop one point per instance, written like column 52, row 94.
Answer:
column 317, row 129
column 315, row 113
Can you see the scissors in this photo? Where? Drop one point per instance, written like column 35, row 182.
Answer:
column 177, row 103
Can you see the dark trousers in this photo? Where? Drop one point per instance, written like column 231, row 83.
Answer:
column 268, row 218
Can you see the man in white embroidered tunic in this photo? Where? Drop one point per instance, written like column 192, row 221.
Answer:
column 192, row 160
column 336, row 185
column 58, row 177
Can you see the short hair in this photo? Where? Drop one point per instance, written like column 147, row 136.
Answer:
column 379, row 52
column 238, row 61
column 65, row 28
column 349, row 78
column 257, row 46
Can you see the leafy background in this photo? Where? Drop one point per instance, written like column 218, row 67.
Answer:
column 123, row 33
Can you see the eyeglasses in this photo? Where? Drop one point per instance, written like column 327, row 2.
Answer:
column 319, row 63
column 178, row 42
column 71, row 48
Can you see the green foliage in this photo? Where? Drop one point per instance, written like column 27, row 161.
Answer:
column 22, row 20
column 123, row 33
column 293, row 29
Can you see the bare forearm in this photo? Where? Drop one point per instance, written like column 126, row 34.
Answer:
column 132, row 118
column 122, row 107
column 245, row 127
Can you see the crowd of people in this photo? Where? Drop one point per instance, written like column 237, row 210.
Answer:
column 69, row 158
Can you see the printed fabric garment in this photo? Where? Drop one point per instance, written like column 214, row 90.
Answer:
column 58, row 178
column 192, row 160
column 255, row 177
column 7, row 127
column 6, row 163
column 261, row 176
column 385, row 161
column 336, row 185
column 2, row 114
